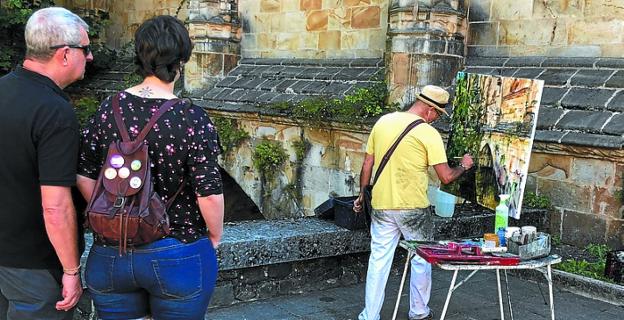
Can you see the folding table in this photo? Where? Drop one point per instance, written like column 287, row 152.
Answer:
column 542, row 265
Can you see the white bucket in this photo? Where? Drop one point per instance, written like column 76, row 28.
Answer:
column 444, row 204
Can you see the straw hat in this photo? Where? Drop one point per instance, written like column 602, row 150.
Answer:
column 435, row 97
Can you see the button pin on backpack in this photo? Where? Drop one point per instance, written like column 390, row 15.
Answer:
column 116, row 161
column 135, row 165
column 135, row 182
column 110, row 173
column 124, row 172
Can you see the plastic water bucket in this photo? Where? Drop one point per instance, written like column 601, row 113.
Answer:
column 444, row 204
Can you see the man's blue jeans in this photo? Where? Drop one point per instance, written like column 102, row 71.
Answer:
column 167, row 279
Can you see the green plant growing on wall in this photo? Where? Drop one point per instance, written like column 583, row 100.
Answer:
column 301, row 147
column 268, row 157
column 85, row 108
column 532, row 200
column 230, row 134
column 363, row 103
column 131, row 80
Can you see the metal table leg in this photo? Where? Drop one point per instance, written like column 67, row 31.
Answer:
column 550, row 292
column 448, row 295
column 500, row 295
column 407, row 262
column 508, row 295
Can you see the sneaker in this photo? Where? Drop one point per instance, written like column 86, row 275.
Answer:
column 428, row 317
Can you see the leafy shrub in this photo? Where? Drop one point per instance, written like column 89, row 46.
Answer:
column 268, row 157
column 230, row 134
column 532, row 200
column 85, row 108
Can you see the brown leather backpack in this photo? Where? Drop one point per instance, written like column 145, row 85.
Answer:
column 124, row 208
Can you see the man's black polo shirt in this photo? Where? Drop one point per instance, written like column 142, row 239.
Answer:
column 38, row 146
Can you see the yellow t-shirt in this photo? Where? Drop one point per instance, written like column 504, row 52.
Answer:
column 403, row 182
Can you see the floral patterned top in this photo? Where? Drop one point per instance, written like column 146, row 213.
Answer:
column 182, row 144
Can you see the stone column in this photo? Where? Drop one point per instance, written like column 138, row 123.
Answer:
column 214, row 27
column 425, row 45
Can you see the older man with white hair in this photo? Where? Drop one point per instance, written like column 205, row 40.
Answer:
column 400, row 204
column 39, row 256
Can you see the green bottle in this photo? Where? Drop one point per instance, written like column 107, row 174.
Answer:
column 502, row 213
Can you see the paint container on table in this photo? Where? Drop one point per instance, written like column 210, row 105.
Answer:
column 502, row 213
column 444, row 204
column 501, row 237
column 490, row 240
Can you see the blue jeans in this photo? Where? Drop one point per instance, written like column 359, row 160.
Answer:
column 167, row 279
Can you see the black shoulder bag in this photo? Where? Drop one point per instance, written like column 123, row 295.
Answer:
column 368, row 190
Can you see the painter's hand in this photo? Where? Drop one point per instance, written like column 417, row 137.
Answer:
column 467, row 161
column 357, row 204
column 71, row 292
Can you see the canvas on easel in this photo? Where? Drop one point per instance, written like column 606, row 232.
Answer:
column 494, row 119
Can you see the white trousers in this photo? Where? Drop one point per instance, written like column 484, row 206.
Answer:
column 386, row 229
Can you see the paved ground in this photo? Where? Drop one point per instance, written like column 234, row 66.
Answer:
column 476, row 300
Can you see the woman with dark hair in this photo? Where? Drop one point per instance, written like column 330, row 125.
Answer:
column 174, row 276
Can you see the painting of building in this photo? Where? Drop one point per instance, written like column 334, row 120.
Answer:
column 494, row 119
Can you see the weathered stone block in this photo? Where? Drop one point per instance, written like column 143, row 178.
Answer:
column 266, row 41
column 593, row 140
column 270, row 5
column 317, row 20
column 583, row 98
column 287, row 41
column 529, row 73
column 309, row 4
column 550, row 9
column 556, row 77
column 485, row 33
column 293, row 22
column 587, row 121
column 354, row 40
column 604, row 8
column 593, row 31
column 551, row 97
column 511, row 9
column 480, row 10
column 617, row 80
column 551, row 166
column 607, row 201
column 329, row 40
column 615, row 233
column 581, row 229
column 565, row 195
column 592, row 172
column 616, row 124
column 365, row 17
column 537, row 32
column 591, row 78
column 612, row 50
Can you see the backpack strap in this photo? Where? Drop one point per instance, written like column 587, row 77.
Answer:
column 121, row 126
column 175, row 195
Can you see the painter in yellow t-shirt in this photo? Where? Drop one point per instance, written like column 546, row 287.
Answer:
column 403, row 182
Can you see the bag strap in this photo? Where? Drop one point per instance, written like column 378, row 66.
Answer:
column 121, row 126
column 175, row 195
column 125, row 137
column 386, row 157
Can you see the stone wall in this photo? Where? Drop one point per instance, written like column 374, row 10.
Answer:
column 585, row 187
column 314, row 28
column 571, row 28
column 126, row 16
column 332, row 161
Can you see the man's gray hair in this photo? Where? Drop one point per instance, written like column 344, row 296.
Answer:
column 50, row 27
